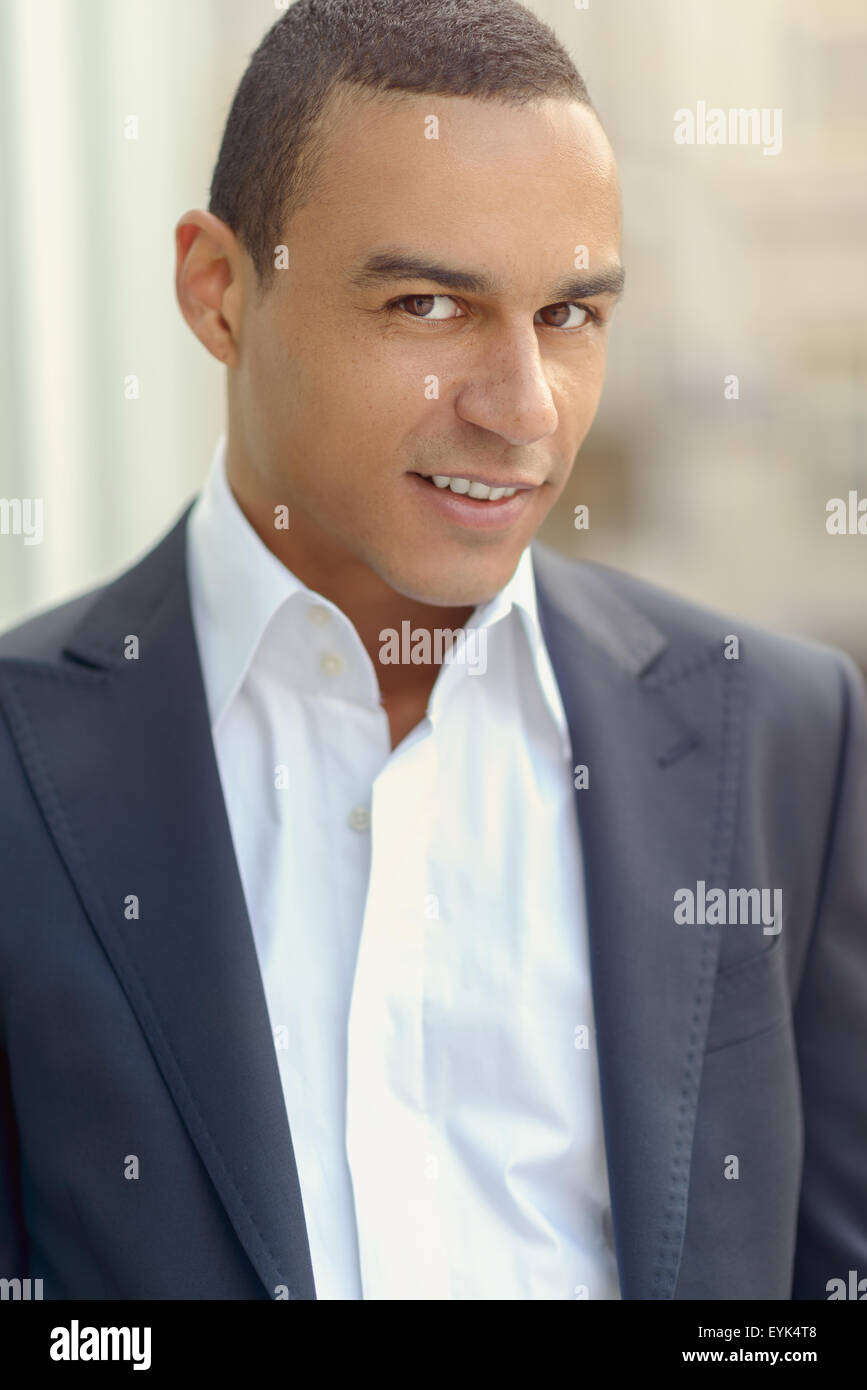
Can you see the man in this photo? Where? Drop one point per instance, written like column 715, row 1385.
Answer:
column 392, row 908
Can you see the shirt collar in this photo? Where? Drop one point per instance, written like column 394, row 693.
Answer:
column 519, row 595
column 237, row 585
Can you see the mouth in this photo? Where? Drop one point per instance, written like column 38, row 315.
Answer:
column 473, row 488
column 475, row 503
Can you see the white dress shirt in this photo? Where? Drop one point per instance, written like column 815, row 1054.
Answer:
column 419, row 920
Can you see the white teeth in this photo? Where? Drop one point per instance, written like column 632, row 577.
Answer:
column 480, row 491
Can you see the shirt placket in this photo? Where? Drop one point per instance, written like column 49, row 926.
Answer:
column 391, row 1136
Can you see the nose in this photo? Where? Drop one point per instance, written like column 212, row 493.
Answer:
column 508, row 392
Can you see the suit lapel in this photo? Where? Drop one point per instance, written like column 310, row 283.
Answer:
column 658, row 730
column 120, row 755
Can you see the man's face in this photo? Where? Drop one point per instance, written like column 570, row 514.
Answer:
column 357, row 382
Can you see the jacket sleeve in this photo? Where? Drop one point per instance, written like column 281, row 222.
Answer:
column 831, row 1031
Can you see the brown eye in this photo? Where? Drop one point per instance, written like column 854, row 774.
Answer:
column 560, row 314
column 433, row 308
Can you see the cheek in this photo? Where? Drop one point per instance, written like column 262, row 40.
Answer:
column 374, row 408
column 583, row 390
column 585, row 413
column 352, row 382
column 278, row 391
column 394, row 381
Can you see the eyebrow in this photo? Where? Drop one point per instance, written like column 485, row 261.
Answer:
column 397, row 264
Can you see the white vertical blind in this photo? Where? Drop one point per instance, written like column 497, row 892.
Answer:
column 87, row 284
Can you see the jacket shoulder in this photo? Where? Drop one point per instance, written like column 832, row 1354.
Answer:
column 128, row 597
column 785, row 666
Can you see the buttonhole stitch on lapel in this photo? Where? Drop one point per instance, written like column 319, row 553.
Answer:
column 678, row 750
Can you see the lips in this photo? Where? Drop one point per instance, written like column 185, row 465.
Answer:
column 459, row 509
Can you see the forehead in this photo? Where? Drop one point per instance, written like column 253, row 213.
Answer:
column 506, row 180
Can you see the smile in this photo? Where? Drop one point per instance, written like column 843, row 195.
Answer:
column 472, row 503
column 472, row 487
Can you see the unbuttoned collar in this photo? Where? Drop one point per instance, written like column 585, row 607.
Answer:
column 238, row 585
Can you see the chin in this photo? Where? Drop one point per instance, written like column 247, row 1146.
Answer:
column 449, row 589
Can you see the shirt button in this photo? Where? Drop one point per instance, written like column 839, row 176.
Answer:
column 331, row 663
column 359, row 818
column 319, row 615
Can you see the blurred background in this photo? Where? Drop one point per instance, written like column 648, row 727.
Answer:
column 739, row 264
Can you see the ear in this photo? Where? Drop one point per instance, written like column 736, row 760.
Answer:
column 208, row 282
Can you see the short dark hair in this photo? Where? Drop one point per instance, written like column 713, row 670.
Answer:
column 488, row 49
